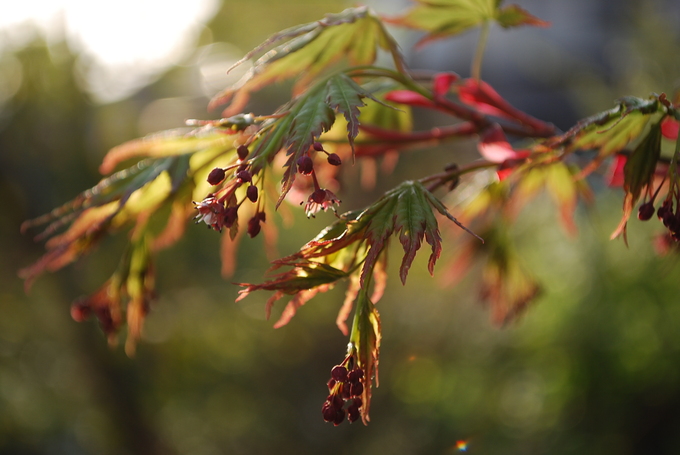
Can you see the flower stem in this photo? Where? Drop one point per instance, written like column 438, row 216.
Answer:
column 476, row 70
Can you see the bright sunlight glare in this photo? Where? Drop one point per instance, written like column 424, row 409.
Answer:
column 122, row 45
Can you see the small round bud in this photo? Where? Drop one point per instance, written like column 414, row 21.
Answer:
column 216, row 176
column 645, row 211
column 254, row 226
column 356, row 375
column 346, row 391
column 339, row 373
column 317, row 146
column 357, row 389
column 328, row 412
column 251, row 193
column 339, row 417
column 305, row 165
column 242, row 152
column 357, row 401
column 353, row 413
column 230, row 216
column 334, row 159
column 80, row 312
column 665, row 208
column 668, row 219
column 335, row 400
column 244, row 175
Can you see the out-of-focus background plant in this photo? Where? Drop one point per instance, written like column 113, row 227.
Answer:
column 593, row 368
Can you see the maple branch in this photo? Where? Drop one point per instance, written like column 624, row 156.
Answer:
column 454, row 172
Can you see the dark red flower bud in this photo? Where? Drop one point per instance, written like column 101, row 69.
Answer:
column 331, row 384
column 334, row 159
column 305, row 165
column 242, row 152
column 645, row 211
column 216, row 176
column 251, row 193
column 356, row 375
column 319, row 196
column 346, row 391
column 357, row 389
column 80, row 312
column 665, row 208
column 339, row 417
column 353, row 413
column 329, row 412
column 244, row 175
column 318, row 146
column 668, row 219
column 254, row 226
column 339, row 373
column 357, row 401
column 335, row 400
column 230, row 216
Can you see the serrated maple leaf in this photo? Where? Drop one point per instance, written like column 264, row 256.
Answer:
column 300, row 123
column 167, row 143
column 361, row 237
column 346, row 97
column 308, row 50
column 304, row 280
column 611, row 130
column 365, row 346
column 406, row 210
column 444, row 18
column 115, row 201
column 639, row 172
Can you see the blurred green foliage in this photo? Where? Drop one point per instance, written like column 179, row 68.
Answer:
column 594, row 368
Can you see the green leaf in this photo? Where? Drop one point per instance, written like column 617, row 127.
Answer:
column 514, row 16
column 167, row 143
column 346, row 97
column 639, row 173
column 308, row 50
column 339, row 249
column 365, row 346
column 300, row 123
column 612, row 130
column 310, row 118
column 406, row 210
column 444, row 18
column 103, row 208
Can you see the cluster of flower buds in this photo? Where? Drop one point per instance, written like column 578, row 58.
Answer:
column 668, row 213
column 345, row 387
column 220, row 212
column 333, row 158
column 669, row 218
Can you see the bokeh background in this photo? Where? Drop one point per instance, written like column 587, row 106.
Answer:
column 592, row 368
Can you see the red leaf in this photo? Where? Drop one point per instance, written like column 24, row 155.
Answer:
column 494, row 146
column 442, row 83
column 408, row 97
column 486, row 100
column 615, row 174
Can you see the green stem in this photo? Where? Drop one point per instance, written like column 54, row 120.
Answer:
column 476, row 70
